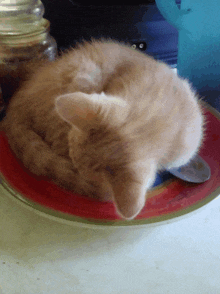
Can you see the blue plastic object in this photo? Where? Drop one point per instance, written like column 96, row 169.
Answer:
column 198, row 23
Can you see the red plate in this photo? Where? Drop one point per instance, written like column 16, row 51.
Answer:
column 172, row 198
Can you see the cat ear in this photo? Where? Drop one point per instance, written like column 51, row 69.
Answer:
column 130, row 195
column 81, row 109
column 129, row 199
column 76, row 109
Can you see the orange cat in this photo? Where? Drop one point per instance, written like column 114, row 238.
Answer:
column 102, row 120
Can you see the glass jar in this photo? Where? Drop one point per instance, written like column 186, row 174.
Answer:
column 24, row 36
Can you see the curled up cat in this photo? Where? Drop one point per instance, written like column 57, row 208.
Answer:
column 102, row 120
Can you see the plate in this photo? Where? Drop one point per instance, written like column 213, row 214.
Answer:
column 169, row 198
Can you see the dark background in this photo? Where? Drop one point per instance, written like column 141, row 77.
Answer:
column 138, row 23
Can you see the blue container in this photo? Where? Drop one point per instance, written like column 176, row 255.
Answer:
column 198, row 23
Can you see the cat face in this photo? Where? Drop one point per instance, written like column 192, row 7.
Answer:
column 102, row 157
column 87, row 149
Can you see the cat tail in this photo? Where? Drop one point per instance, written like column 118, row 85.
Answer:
column 130, row 190
column 39, row 158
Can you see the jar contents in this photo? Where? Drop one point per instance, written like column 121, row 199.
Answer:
column 24, row 38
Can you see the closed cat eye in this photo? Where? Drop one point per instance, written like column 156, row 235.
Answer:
column 110, row 170
column 92, row 132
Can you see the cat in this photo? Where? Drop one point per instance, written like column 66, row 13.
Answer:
column 102, row 120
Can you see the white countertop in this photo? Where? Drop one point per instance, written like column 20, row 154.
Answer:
column 42, row 256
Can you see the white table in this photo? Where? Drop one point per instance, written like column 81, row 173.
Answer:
column 42, row 256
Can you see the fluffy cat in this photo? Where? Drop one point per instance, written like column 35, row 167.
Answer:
column 102, row 120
